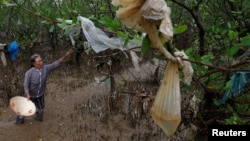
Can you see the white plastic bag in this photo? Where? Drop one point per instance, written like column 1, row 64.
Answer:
column 2, row 55
column 166, row 109
column 158, row 10
column 98, row 40
column 135, row 60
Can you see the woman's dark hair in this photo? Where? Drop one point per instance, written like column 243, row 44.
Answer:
column 33, row 59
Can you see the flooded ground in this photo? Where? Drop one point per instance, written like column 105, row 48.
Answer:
column 78, row 108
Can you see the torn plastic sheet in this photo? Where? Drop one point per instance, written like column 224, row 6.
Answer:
column 239, row 80
column 135, row 60
column 186, row 66
column 158, row 10
column 133, row 13
column 2, row 55
column 97, row 39
column 3, row 58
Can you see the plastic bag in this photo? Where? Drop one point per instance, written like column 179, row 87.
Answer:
column 3, row 58
column 239, row 81
column 158, row 10
column 185, row 65
column 2, row 55
column 98, row 40
column 13, row 50
column 135, row 60
column 166, row 108
column 134, row 12
column 129, row 13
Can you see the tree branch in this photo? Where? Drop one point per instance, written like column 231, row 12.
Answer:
column 10, row 14
column 218, row 68
column 194, row 14
column 36, row 14
column 115, row 53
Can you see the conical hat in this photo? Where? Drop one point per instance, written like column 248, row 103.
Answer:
column 22, row 106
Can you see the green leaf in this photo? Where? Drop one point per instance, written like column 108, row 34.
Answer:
column 62, row 25
column 231, row 120
column 110, row 23
column 217, row 36
column 180, row 29
column 9, row 4
column 102, row 8
column 92, row 17
column 107, row 82
column 48, row 11
column 229, row 25
column 189, row 50
column 206, row 58
column 126, row 42
column 229, row 85
column 20, row 1
column 158, row 56
column 232, row 35
column 122, row 34
column 245, row 41
column 52, row 28
column 236, row 12
column 242, row 108
column 232, row 51
column 146, row 44
column 74, row 21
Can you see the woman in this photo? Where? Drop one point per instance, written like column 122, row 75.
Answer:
column 35, row 82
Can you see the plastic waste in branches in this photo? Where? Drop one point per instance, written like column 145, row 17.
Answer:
column 13, row 50
column 97, row 39
column 146, row 16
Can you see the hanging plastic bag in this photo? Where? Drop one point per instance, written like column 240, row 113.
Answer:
column 3, row 58
column 185, row 65
column 158, row 10
column 135, row 60
column 166, row 109
column 129, row 13
column 2, row 55
column 97, row 39
column 13, row 50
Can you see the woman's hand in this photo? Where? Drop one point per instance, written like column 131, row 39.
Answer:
column 69, row 52
column 28, row 96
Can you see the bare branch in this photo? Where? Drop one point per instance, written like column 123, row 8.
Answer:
column 229, row 68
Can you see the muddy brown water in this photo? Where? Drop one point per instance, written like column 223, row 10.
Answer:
column 78, row 108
